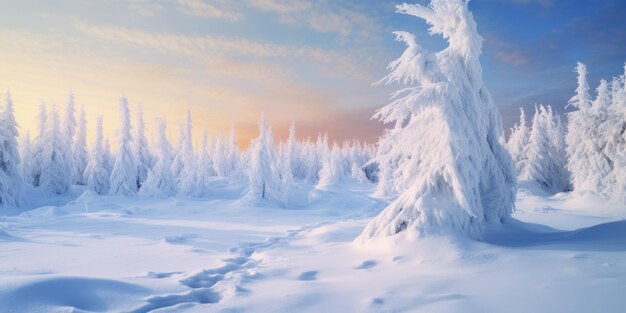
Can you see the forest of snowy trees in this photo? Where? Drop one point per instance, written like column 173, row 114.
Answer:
column 590, row 155
column 58, row 158
column 443, row 161
column 585, row 152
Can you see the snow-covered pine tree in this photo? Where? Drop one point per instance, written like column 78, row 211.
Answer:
column 615, row 132
column 518, row 143
column 160, row 182
column 358, row 174
column 544, row 164
column 233, row 157
column 220, row 156
column 69, row 129
column 141, row 152
column 587, row 162
column 97, row 172
column 204, row 164
column 188, row 175
column 262, row 173
column 39, row 145
column 10, row 176
column 79, row 151
column 109, row 161
column 292, row 164
column 331, row 173
column 56, row 166
column 27, row 158
column 124, row 173
column 562, row 177
column 456, row 175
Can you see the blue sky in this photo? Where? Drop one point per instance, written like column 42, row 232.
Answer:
column 311, row 62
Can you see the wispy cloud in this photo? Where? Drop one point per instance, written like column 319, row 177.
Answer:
column 215, row 50
column 209, row 8
column 145, row 8
column 344, row 18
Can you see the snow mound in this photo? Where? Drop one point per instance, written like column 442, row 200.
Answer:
column 65, row 294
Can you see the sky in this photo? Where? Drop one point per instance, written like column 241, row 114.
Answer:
column 302, row 61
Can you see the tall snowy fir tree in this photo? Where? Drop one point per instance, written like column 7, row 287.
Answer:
column 160, row 182
column 97, row 173
column 141, row 152
column 187, row 178
column 587, row 162
column 456, row 175
column 27, row 165
column 10, row 176
column 79, row 150
column 262, row 174
column 124, row 174
column 518, row 143
column 56, row 169
column 69, row 128
column 613, row 105
column 39, row 145
column 545, row 152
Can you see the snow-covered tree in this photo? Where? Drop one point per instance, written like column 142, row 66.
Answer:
column 518, row 142
column 290, row 157
column 124, row 173
column 545, row 153
column 109, row 161
column 97, row 171
column 614, row 129
column 455, row 173
column 56, row 167
column 262, row 174
column 587, row 162
column 10, row 177
column 331, row 173
column 79, row 151
column 188, row 174
column 69, row 129
column 39, row 145
column 27, row 158
column 160, row 182
column 141, row 152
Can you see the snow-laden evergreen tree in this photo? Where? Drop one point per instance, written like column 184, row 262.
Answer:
column 456, row 175
column 614, row 129
column 518, row 143
column 10, row 176
column 587, row 162
column 358, row 174
column 177, row 165
column 233, row 157
column 557, row 134
column 332, row 172
column 109, row 161
column 124, row 173
column 291, row 161
column 69, row 129
column 142, row 155
column 188, row 175
column 39, row 146
column 262, row 174
column 220, row 156
column 27, row 157
column 204, row 163
column 56, row 171
column 79, row 151
column 97, row 172
column 545, row 153
column 160, row 182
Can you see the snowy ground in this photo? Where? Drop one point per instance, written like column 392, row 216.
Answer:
column 89, row 253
